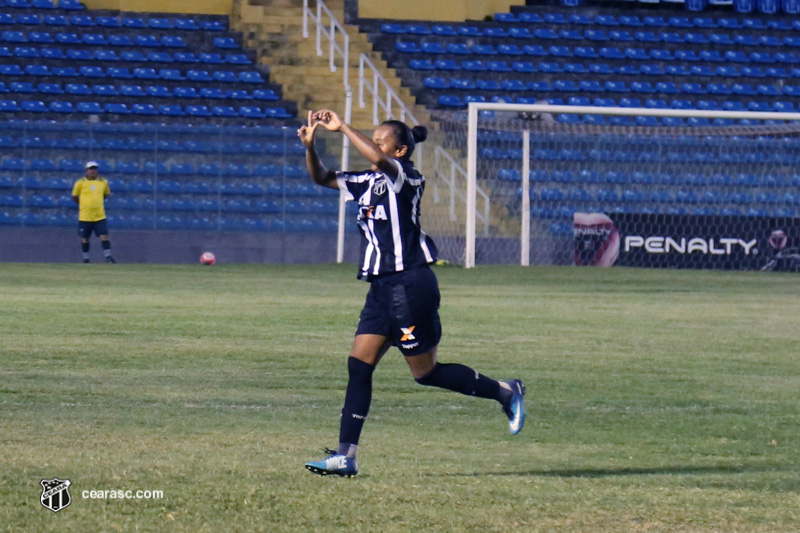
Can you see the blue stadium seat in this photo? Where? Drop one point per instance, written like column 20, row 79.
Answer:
column 600, row 68
column 523, row 67
column 520, row 33
column 549, row 67
column 463, row 84
column 9, row 105
column 446, row 64
column 51, row 53
column 407, row 47
column 636, row 53
column 469, row 31
column 545, row 33
column 534, row 50
column 80, row 55
column 65, row 108
column 659, row 54
column 677, row 70
column 494, row 32
column 590, row 86
column 120, row 40
column 185, row 24
column 451, row 101
column 225, row 42
column 34, row 106
column 147, row 41
column 586, row 52
column 646, row 36
column 251, row 76
column 211, row 58
column 24, row 87
column 393, row 28
column 644, row 87
column 171, row 110
column 37, row 70
column 434, row 82
column 43, row 164
column 652, row 70
column 509, row 50
column 159, row 57
column 575, row 68
column 107, row 21
column 225, row 76
column 106, row 55
column 611, row 52
column 420, row 64
column 483, row 49
column 565, row 85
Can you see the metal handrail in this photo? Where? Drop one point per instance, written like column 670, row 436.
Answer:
column 377, row 85
column 449, row 174
column 330, row 34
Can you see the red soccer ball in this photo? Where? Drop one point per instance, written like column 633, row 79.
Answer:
column 208, row 258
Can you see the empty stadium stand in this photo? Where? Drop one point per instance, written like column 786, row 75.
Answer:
column 190, row 132
column 59, row 63
column 628, row 55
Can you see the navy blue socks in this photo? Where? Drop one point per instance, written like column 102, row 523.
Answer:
column 463, row 379
column 356, row 405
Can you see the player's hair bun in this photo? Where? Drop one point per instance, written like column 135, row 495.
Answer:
column 420, row 133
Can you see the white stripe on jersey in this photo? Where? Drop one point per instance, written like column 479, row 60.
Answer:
column 374, row 245
column 401, row 177
column 396, row 238
column 423, row 243
column 341, row 183
column 369, row 233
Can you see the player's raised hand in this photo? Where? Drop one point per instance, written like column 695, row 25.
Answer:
column 306, row 133
column 329, row 119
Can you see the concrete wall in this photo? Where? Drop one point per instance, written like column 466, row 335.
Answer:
column 445, row 10
column 62, row 245
column 208, row 7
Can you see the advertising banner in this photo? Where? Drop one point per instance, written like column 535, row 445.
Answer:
column 687, row 241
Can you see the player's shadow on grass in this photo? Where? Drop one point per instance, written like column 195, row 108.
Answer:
column 627, row 471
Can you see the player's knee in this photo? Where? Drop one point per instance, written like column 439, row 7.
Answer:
column 430, row 378
column 358, row 370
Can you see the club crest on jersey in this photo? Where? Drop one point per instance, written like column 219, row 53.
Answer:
column 379, row 187
column 55, row 494
column 374, row 212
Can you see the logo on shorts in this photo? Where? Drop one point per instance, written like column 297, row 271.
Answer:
column 408, row 334
column 55, row 494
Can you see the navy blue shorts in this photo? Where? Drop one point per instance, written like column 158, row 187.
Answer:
column 405, row 308
column 85, row 229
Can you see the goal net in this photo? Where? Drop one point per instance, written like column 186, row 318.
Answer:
column 583, row 185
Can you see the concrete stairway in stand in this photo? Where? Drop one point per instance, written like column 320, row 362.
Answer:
column 274, row 28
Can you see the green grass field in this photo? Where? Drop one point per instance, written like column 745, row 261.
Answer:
column 658, row 401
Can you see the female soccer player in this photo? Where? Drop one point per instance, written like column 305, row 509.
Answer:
column 402, row 305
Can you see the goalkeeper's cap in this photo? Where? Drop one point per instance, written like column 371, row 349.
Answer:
column 91, row 164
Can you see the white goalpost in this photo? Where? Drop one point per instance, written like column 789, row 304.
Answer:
column 656, row 187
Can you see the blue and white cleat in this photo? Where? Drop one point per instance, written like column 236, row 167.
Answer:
column 515, row 410
column 337, row 464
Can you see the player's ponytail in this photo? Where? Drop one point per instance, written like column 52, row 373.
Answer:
column 406, row 136
column 420, row 133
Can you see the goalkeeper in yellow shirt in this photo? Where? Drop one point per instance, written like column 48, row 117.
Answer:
column 90, row 193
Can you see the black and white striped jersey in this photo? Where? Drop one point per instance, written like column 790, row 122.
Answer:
column 388, row 216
